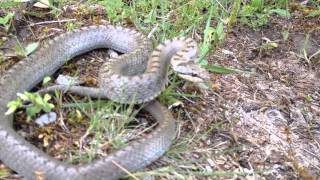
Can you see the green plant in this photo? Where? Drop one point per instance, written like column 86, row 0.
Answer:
column 71, row 25
column 269, row 45
column 222, row 69
column 24, row 52
column 211, row 35
column 169, row 96
column 115, row 10
column 167, row 19
column 9, row 4
column 234, row 14
column 315, row 12
column 37, row 104
column 304, row 51
column 54, row 6
column 256, row 13
column 108, row 122
column 6, row 20
column 4, row 173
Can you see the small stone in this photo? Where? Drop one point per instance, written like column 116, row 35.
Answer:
column 112, row 53
column 211, row 163
column 46, row 119
column 67, row 80
column 43, row 4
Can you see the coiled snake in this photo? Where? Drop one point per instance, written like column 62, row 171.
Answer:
column 134, row 77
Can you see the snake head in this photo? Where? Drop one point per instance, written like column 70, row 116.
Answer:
column 194, row 73
column 185, row 64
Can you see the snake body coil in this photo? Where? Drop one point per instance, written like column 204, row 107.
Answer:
column 135, row 77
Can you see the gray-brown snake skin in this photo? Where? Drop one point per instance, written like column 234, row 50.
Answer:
column 143, row 80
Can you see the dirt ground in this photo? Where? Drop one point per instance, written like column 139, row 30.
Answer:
column 268, row 117
column 265, row 122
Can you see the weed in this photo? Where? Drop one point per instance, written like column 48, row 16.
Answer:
column 115, row 10
column 234, row 14
column 71, row 25
column 285, row 35
column 304, row 54
column 37, row 104
column 9, row 4
column 314, row 13
column 6, row 20
column 221, row 69
column 169, row 96
column 108, row 122
column 4, row 172
column 269, row 45
column 256, row 13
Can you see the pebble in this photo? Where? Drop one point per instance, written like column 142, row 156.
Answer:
column 67, row 80
column 46, row 119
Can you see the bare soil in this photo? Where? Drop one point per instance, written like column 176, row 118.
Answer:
column 267, row 119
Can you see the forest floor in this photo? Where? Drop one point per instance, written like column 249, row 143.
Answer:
column 260, row 123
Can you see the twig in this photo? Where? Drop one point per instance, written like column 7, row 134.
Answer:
column 125, row 170
column 50, row 22
column 153, row 30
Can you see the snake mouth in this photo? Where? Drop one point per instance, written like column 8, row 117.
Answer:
column 195, row 78
column 192, row 72
column 200, row 82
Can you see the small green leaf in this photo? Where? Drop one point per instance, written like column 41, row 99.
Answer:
column 37, row 104
column 4, row 172
column 247, row 11
column 114, row 8
column 47, row 97
column 33, row 110
column 16, row 103
column 309, row 98
column 9, row 4
column 11, row 110
column 269, row 45
column 23, row 96
column 203, row 62
column 285, row 35
column 48, row 107
column 46, row 80
column 39, row 101
column 13, row 106
column 314, row 13
column 221, row 69
column 219, row 33
column 280, row 12
column 5, row 20
column 233, row 14
column 19, row 50
column 257, row 4
column 30, row 48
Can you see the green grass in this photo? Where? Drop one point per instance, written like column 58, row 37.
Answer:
column 308, row 57
column 168, row 19
column 108, row 122
column 256, row 13
column 4, row 173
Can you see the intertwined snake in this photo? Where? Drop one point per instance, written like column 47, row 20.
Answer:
column 134, row 77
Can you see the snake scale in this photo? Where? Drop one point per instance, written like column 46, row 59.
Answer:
column 137, row 76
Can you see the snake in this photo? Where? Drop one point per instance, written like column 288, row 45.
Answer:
column 138, row 76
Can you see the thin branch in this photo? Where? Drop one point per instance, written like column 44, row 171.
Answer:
column 51, row 22
column 125, row 170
